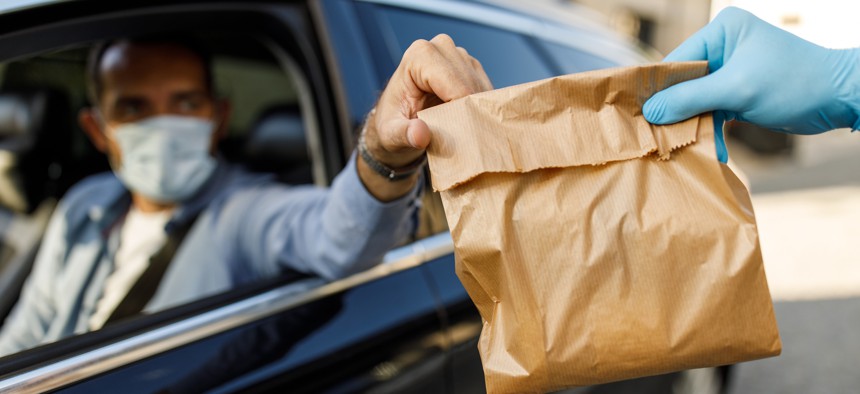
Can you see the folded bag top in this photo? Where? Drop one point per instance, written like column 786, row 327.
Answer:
column 581, row 119
column 596, row 246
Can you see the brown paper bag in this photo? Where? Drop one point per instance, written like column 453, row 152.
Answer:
column 596, row 246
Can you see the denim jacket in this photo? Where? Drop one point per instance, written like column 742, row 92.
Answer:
column 247, row 227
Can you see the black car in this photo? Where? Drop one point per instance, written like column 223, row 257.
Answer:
column 301, row 75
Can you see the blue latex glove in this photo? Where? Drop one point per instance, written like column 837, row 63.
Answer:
column 763, row 75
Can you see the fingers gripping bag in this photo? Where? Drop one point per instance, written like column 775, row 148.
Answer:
column 596, row 246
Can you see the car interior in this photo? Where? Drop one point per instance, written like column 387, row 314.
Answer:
column 43, row 151
column 33, row 132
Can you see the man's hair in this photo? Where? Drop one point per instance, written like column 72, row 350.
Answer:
column 95, row 85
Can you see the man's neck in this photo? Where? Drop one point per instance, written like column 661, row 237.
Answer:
column 147, row 205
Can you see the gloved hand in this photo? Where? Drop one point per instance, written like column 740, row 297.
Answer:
column 763, row 75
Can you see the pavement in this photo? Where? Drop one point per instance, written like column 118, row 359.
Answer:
column 807, row 207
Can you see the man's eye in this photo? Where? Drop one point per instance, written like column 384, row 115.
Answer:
column 189, row 105
column 128, row 110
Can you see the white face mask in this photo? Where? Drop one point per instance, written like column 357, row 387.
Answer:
column 165, row 158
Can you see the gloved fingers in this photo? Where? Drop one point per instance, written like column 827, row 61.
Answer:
column 690, row 98
column 711, row 41
column 686, row 100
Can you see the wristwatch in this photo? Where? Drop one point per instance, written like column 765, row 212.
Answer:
column 392, row 174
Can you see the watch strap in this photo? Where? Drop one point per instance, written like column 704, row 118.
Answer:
column 392, row 174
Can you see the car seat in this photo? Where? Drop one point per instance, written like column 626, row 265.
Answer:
column 277, row 144
column 34, row 140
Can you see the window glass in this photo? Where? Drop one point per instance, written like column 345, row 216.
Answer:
column 507, row 57
column 572, row 60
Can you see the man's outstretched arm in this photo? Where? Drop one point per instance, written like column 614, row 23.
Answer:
column 349, row 227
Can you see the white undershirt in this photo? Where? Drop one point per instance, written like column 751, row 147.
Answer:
column 141, row 236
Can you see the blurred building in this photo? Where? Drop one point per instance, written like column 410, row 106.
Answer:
column 830, row 23
column 663, row 24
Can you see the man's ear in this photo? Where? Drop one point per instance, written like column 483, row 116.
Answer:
column 93, row 128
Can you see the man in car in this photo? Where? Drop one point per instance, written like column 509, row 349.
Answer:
column 169, row 199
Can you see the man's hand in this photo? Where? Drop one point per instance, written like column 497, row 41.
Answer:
column 430, row 73
column 762, row 75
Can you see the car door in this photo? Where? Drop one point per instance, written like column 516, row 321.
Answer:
column 380, row 330
column 513, row 48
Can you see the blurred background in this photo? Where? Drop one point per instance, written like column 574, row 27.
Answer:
column 806, row 193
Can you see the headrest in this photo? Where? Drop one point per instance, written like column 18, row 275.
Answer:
column 277, row 143
column 34, row 136
column 20, row 120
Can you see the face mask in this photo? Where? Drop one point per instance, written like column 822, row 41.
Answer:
column 165, row 158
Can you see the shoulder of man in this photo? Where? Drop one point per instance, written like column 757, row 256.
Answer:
column 94, row 191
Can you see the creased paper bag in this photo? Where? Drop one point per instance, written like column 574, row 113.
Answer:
column 596, row 246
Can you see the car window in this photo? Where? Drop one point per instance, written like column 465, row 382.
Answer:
column 49, row 154
column 507, row 57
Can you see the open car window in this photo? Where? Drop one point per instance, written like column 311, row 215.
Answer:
column 44, row 153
